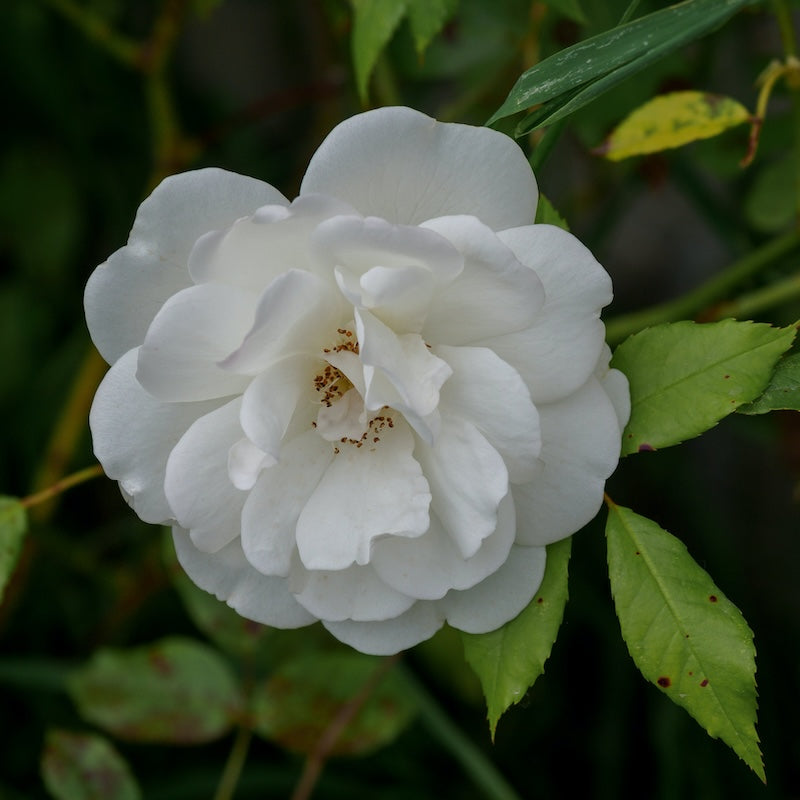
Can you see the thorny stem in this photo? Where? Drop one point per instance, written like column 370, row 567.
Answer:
column 705, row 296
column 346, row 714
column 451, row 737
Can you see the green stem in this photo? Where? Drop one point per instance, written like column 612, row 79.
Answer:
column 761, row 299
column 61, row 486
column 97, row 30
column 472, row 760
column 786, row 27
column 233, row 766
column 546, row 143
column 629, row 11
column 690, row 305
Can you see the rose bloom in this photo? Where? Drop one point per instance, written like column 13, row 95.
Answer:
column 372, row 406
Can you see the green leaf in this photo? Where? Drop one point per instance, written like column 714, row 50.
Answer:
column 683, row 634
column 13, row 527
column 374, row 23
column 175, row 690
column 783, row 390
column 686, row 377
column 569, row 8
column 509, row 660
column 85, row 766
column 672, row 120
column 576, row 75
column 546, row 214
column 304, row 696
column 427, row 18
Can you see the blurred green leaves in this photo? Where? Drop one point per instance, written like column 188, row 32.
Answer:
column 85, row 766
column 685, row 377
column 683, row 634
column 374, row 24
column 13, row 527
column 304, row 696
column 175, row 690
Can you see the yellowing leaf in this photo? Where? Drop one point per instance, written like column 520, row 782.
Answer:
column 672, row 120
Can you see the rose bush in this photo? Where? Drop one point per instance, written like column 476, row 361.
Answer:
column 372, row 406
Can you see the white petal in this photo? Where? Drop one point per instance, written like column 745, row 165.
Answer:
column 197, row 485
column 193, row 332
column 390, row 636
column 245, row 462
column 124, row 294
column 560, row 350
column 468, row 479
column 253, row 251
column 297, row 313
column 355, row 593
column 580, row 449
column 388, row 269
column 367, row 492
column 616, row 387
column 428, row 567
column 400, row 371
column 494, row 295
column 133, row 434
column 405, row 167
column 490, row 394
column 501, row 596
column 271, row 511
column 228, row 576
column 272, row 400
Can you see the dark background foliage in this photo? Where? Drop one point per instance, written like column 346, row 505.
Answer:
column 256, row 85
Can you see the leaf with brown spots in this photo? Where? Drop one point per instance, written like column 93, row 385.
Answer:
column 304, row 696
column 85, row 766
column 683, row 634
column 176, row 690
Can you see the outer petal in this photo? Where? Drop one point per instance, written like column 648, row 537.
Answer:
column 228, row 576
column 405, row 167
column 366, row 492
column 254, row 251
column 124, row 294
column 494, row 295
column 197, row 485
column 192, row 333
column 580, row 449
column 133, row 434
column 559, row 352
column 430, row 566
column 390, row 636
column 490, row 394
column 355, row 593
column 269, row 517
column 468, row 480
column 501, row 596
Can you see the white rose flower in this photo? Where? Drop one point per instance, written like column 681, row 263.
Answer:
column 372, row 406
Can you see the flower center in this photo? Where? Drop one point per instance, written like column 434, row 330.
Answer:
column 342, row 418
